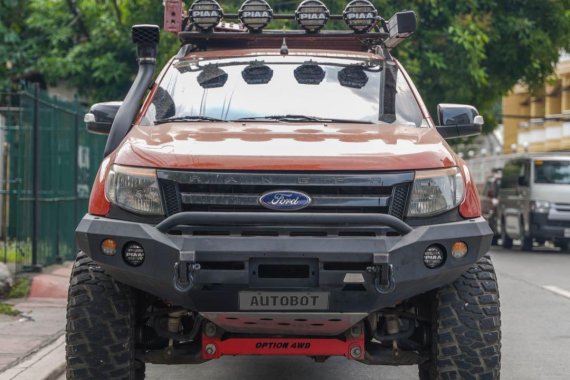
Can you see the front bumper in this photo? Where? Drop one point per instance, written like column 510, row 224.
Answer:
column 544, row 226
column 226, row 263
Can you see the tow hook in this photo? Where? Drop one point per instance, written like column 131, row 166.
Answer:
column 383, row 272
column 185, row 269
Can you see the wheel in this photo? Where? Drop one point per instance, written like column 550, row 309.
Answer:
column 466, row 332
column 506, row 241
column 100, row 326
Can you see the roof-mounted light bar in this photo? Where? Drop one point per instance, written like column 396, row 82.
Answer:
column 255, row 15
column 360, row 16
column 205, row 16
column 312, row 15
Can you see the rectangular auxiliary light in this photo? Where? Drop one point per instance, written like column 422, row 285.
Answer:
column 400, row 26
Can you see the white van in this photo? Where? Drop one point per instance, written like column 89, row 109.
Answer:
column 534, row 201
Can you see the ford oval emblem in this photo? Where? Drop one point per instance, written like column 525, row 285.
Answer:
column 285, row 200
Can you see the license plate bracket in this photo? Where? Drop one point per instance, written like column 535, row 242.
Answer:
column 283, row 301
column 283, row 273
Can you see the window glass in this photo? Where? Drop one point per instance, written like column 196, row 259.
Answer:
column 236, row 88
column 552, row 172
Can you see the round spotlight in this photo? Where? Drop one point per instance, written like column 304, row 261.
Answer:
column 205, row 14
column 360, row 16
column 434, row 256
column 109, row 247
column 459, row 249
column 312, row 15
column 255, row 15
column 133, row 254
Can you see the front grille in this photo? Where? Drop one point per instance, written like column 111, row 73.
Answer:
column 385, row 193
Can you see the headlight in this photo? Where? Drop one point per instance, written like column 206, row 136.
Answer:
column 436, row 191
column 134, row 189
column 542, row 207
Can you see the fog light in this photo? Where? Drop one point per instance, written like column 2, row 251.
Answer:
column 458, row 249
column 434, row 256
column 133, row 254
column 109, row 247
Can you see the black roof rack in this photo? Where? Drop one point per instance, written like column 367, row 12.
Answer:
column 325, row 40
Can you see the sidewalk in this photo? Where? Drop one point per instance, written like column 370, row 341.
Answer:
column 32, row 344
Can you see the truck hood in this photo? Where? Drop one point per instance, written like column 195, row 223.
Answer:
column 284, row 146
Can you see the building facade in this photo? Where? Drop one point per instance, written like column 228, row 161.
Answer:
column 539, row 122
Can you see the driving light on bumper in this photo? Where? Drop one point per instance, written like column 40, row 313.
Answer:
column 134, row 189
column 133, row 254
column 436, row 191
column 434, row 256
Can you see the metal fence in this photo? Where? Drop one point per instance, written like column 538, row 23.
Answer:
column 48, row 164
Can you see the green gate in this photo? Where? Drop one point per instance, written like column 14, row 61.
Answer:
column 49, row 162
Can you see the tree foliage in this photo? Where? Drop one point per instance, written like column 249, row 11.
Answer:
column 470, row 51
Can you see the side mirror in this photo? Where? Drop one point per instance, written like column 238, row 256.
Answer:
column 458, row 120
column 100, row 117
column 523, row 181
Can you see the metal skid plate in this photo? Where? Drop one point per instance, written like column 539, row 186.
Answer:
column 311, row 324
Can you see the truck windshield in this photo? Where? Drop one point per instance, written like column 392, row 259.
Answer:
column 554, row 172
column 290, row 88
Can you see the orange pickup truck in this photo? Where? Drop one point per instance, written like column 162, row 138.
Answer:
column 279, row 192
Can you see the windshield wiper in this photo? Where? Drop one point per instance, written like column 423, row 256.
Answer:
column 187, row 118
column 301, row 118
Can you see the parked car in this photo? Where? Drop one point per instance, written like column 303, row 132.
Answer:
column 534, row 201
column 282, row 193
column 490, row 200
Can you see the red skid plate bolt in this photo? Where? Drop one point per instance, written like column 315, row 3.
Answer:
column 210, row 349
column 355, row 352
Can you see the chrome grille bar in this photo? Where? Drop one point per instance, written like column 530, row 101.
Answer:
column 285, row 179
column 252, row 200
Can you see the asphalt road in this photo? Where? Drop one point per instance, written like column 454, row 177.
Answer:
column 535, row 304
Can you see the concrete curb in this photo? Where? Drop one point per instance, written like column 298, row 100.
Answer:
column 46, row 364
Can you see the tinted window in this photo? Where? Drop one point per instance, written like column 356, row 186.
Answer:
column 557, row 172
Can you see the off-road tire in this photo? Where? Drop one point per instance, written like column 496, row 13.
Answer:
column 506, row 241
column 100, row 326
column 466, row 333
